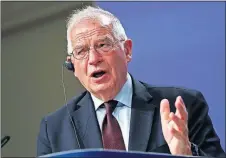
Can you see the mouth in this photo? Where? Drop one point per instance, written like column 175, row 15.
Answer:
column 98, row 74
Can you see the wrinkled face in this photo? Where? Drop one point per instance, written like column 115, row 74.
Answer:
column 102, row 73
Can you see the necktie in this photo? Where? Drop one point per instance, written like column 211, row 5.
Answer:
column 111, row 132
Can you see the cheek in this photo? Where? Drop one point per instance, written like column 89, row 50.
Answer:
column 118, row 64
column 121, row 59
column 80, row 70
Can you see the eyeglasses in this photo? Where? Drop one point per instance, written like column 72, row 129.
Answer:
column 102, row 47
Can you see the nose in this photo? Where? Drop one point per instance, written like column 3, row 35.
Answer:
column 94, row 57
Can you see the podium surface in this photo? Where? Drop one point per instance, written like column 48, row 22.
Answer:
column 88, row 153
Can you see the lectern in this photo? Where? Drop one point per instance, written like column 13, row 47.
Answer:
column 95, row 153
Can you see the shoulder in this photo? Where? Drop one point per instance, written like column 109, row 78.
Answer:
column 168, row 91
column 189, row 95
column 62, row 113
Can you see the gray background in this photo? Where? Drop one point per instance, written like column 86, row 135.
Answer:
column 33, row 50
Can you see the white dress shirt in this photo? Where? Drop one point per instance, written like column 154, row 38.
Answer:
column 122, row 111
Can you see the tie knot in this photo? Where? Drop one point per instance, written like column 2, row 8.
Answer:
column 110, row 106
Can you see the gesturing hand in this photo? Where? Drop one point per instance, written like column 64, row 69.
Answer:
column 174, row 127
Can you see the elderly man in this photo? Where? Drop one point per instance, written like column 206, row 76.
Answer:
column 116, row 111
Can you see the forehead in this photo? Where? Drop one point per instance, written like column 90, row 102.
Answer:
column 90, row 30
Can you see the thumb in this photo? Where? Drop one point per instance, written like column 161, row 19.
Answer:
column 164, row 109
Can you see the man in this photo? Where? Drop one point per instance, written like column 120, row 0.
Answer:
column 116, row 111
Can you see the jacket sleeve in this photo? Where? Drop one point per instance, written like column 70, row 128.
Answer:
column 201, row 130
column 43, row 144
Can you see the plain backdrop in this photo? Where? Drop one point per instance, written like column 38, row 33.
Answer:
column 179, row 44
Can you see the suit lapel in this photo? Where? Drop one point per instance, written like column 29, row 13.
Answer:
column 86, row 123
column 142, row 113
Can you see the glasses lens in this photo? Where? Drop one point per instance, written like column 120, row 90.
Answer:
column 101, row 47
column 104, row 47
column 80, row 53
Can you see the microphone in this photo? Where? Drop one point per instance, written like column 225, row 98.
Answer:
column 4, row 140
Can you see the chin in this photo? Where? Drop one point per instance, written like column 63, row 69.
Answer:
column 102, row 89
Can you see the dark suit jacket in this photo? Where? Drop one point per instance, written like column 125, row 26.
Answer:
column 57, row 134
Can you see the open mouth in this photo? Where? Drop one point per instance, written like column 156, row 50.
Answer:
column 98, row 74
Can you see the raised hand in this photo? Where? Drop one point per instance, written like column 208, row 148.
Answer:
column 174, row 127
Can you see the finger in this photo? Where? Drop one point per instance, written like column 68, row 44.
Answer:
column 176, row 133
column 181, row 111
column 164, row 109
column 179, row 124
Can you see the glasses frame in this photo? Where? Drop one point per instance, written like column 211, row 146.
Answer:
column 86, row 55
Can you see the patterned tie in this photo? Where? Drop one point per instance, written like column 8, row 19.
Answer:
column 112, row 135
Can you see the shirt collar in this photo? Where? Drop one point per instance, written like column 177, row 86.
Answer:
column 124, row 96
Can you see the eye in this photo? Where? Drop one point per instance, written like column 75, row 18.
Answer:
column 79, row 51
column 104, row 45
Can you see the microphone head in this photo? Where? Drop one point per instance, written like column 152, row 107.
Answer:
column 4, row 140
column 69, row 66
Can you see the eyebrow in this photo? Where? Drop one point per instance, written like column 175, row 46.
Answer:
column 79, row 46
column 105, row 37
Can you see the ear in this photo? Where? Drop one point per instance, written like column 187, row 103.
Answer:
column 68, row 59
column 128, row 49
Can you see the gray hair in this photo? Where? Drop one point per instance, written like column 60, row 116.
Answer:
column 96, row 13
